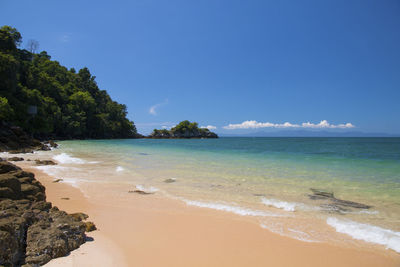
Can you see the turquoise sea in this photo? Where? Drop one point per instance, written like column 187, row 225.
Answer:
column 265, row 178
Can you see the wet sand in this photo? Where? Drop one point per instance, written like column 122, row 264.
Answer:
column 151, row 230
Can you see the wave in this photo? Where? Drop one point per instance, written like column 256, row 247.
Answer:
column 230, row 208
column 119, row 169
column 52, row 170
column 287, row 206
column 150, row 189
column 67, row 159
column 278, row 228
column 367, row 232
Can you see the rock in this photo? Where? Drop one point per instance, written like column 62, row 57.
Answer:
column 45, row 162
column 347, row 203
column 90, row 226
column 57, row 180
column 8, row 167
column 322, row 193
column 170, row 180
column 79, row 216
column 336, row 204
column 65, row 198
column 53, row 236
column 141, row 192
column 32, row 232
column 15, row 159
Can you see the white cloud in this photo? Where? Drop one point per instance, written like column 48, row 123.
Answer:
column 209, row 127
column 257, row 125
column 153, row 109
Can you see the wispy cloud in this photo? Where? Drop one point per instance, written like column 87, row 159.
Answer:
column 256, row 125
column 209, row 127
column 153, row 109
column 64, row 38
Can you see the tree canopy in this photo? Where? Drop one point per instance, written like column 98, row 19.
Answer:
column 185, row 129
column 68, row 104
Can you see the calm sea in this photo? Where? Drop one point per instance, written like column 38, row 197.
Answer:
column 265, row 178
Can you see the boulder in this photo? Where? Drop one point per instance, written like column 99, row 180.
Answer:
column 15, row 159
column 45, row 162
column 32, row 232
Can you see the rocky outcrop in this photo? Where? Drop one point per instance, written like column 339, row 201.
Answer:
column 32, row 232
column 14, row 140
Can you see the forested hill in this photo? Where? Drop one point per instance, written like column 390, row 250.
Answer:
column 68, row 104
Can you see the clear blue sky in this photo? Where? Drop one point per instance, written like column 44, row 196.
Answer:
column 228, row 62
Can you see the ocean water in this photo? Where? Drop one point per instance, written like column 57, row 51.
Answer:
column 268, row 179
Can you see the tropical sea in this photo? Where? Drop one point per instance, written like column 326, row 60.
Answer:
column 266, row 179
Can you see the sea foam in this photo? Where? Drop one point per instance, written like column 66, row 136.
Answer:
column 287, row 206
column 150, row 189
column 119, row 169
column 67, row 159
column 367, row 232
column 230, row 208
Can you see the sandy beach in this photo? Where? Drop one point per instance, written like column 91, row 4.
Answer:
column 151, row 230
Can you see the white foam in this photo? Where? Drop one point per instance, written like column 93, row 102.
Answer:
column 278, row 228
column 119, row 169
column 67, row 159
column 230, row 208
column 367, row 232
column 287, row 206
column 52, row 170
column 150, row 189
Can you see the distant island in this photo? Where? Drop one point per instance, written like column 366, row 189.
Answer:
column 185, row 129
column 49, row 101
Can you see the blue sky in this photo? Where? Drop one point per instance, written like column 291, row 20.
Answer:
column 242, row 65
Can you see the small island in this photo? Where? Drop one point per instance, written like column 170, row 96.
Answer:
column 185, row 129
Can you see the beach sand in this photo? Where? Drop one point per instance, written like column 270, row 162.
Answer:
column 151, row 230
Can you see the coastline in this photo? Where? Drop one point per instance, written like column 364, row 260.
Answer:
column 153, row 230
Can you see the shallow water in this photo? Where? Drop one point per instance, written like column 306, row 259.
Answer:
column 266, row 178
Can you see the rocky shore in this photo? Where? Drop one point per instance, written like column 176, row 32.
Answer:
column 14, row 140
column 32, row 231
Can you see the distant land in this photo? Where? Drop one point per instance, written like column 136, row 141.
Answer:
column 303, row 133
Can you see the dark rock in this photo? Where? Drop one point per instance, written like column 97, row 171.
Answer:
column 90, row 226
column 15, row 159
column 57, row 180
column 322, row 193
column 45, row 162
column 336, row 204
column 52, row 237
column 8, row 167
column 170, row 180
column 347, row 203
column 79, row 216
column 65, row 198
column 32, row 232
column 141, row 192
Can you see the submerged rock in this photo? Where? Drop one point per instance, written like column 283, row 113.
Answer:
column 336, row 204
column 170, row 180
column 45, row 162
column 15, row 159
column 57, row 180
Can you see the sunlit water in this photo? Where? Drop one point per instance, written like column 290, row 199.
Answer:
column 265, row 178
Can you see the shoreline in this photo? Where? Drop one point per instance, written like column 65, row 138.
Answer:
column 151, row 230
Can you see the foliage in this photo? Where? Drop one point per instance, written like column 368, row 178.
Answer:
column 69, row 103
column 185, row 129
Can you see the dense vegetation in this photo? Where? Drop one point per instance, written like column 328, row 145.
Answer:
column 68, row 104
column 185, row 129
